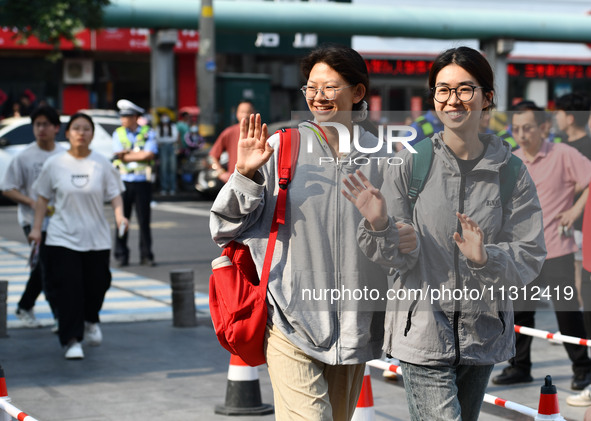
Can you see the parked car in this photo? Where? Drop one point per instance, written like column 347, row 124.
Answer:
column 17, row 132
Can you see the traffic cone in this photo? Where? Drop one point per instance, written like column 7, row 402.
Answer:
column 548, row 407
column 4, row 416
column 3, row 390
column 243, row 392
column 365, row 410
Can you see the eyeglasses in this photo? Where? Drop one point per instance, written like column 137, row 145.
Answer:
column 43, row 125
column 464, row 93
column 81, row 129
column 329, row 93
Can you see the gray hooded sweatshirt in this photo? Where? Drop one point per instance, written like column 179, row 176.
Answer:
column 317, row 255
column 425, row 323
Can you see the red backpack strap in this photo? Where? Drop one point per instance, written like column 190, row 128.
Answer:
column 289, row 146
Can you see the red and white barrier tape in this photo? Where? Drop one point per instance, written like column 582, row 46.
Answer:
column 544, row 334
column 384, row 365
column 513, row 406
column 14, row 411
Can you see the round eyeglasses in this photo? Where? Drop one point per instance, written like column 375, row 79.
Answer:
column 464, row 93
column 329, row 93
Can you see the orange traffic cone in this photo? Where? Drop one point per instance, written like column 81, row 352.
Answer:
column 548, row 407
column 3, row 390
column 243, row 393
column 365, row 410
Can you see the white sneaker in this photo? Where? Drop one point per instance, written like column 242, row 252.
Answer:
column 74, row 351
column 56, row 327
column 92, row 334
column 582, row 399
column 27, row 317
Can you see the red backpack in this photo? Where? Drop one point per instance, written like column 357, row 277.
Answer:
column 237, row 299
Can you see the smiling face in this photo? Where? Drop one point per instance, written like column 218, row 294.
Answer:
column 527, row 132
column 338, row 109
column 80, row 133
column 455, row 114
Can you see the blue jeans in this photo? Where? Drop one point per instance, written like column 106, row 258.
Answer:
column 445, row 393
column 167, row 166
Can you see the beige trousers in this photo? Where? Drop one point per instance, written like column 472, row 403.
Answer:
column 306, row 389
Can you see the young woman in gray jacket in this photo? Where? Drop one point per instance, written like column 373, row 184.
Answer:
column 320, row 331
column 449, row 317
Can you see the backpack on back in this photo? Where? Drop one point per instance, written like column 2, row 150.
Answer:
column 237, row 299
column 421, row 165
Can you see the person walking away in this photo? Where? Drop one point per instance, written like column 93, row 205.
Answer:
column 227, row 141
column 78, row 237
column 135, row 149
column 472, row 238
column 17, row 185
column 168, row 140
column 556, row 169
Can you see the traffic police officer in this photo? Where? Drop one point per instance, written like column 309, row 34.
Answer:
column 135, row 149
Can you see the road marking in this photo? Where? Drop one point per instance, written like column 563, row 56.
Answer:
column 131, row 297
column 178, row 209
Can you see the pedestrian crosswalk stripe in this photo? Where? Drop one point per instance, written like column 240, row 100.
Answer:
column 131, row 297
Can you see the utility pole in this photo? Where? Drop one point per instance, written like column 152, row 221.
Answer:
column 206, row 68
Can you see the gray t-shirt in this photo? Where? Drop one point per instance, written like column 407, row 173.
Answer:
column 80, row 188
column 22, row 172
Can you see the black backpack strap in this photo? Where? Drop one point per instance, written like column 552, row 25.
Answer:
column 421, row 165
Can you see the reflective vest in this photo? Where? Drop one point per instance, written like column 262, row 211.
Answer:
column 425, row 125
column 138, row 167
column 507, row 137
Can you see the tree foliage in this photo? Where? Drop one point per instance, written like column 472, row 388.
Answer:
column 52, row 20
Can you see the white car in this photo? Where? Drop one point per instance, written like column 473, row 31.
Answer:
column 17, row 132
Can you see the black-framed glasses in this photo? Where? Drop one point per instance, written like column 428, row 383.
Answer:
column 464, row 93
column 329, row 93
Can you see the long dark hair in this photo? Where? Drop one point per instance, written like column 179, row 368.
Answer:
column 471, row 61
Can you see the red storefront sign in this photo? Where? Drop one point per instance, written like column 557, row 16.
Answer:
column 109, row 39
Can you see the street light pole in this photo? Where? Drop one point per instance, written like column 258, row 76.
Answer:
column 206, row 68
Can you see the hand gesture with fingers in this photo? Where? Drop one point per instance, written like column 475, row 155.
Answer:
column 367, row 199
column 471, row 242
column 253, row 149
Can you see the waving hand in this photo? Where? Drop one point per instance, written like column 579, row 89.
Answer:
column 253, row 149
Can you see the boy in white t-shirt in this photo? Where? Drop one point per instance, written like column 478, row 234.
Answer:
column 22, row 172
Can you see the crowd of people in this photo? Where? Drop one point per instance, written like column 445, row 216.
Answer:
column 492, row 210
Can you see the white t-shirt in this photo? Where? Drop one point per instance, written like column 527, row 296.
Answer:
column 22, row 172
column 80, row 188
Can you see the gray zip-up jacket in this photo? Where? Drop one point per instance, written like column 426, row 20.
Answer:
column 444, row 310
column 316, row 255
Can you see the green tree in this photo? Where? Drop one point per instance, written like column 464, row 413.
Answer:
column 52, row 20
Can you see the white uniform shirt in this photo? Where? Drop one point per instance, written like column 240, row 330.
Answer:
column 80, row 188
column 22, row 172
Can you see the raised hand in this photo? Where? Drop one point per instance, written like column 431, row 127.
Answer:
column 253, row 149
column 471, row 242
column 367, row 199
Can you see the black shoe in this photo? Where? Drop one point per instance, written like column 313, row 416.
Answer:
column 147, row 262
column 512, row 375
column 122, row 263
column 581, row 381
